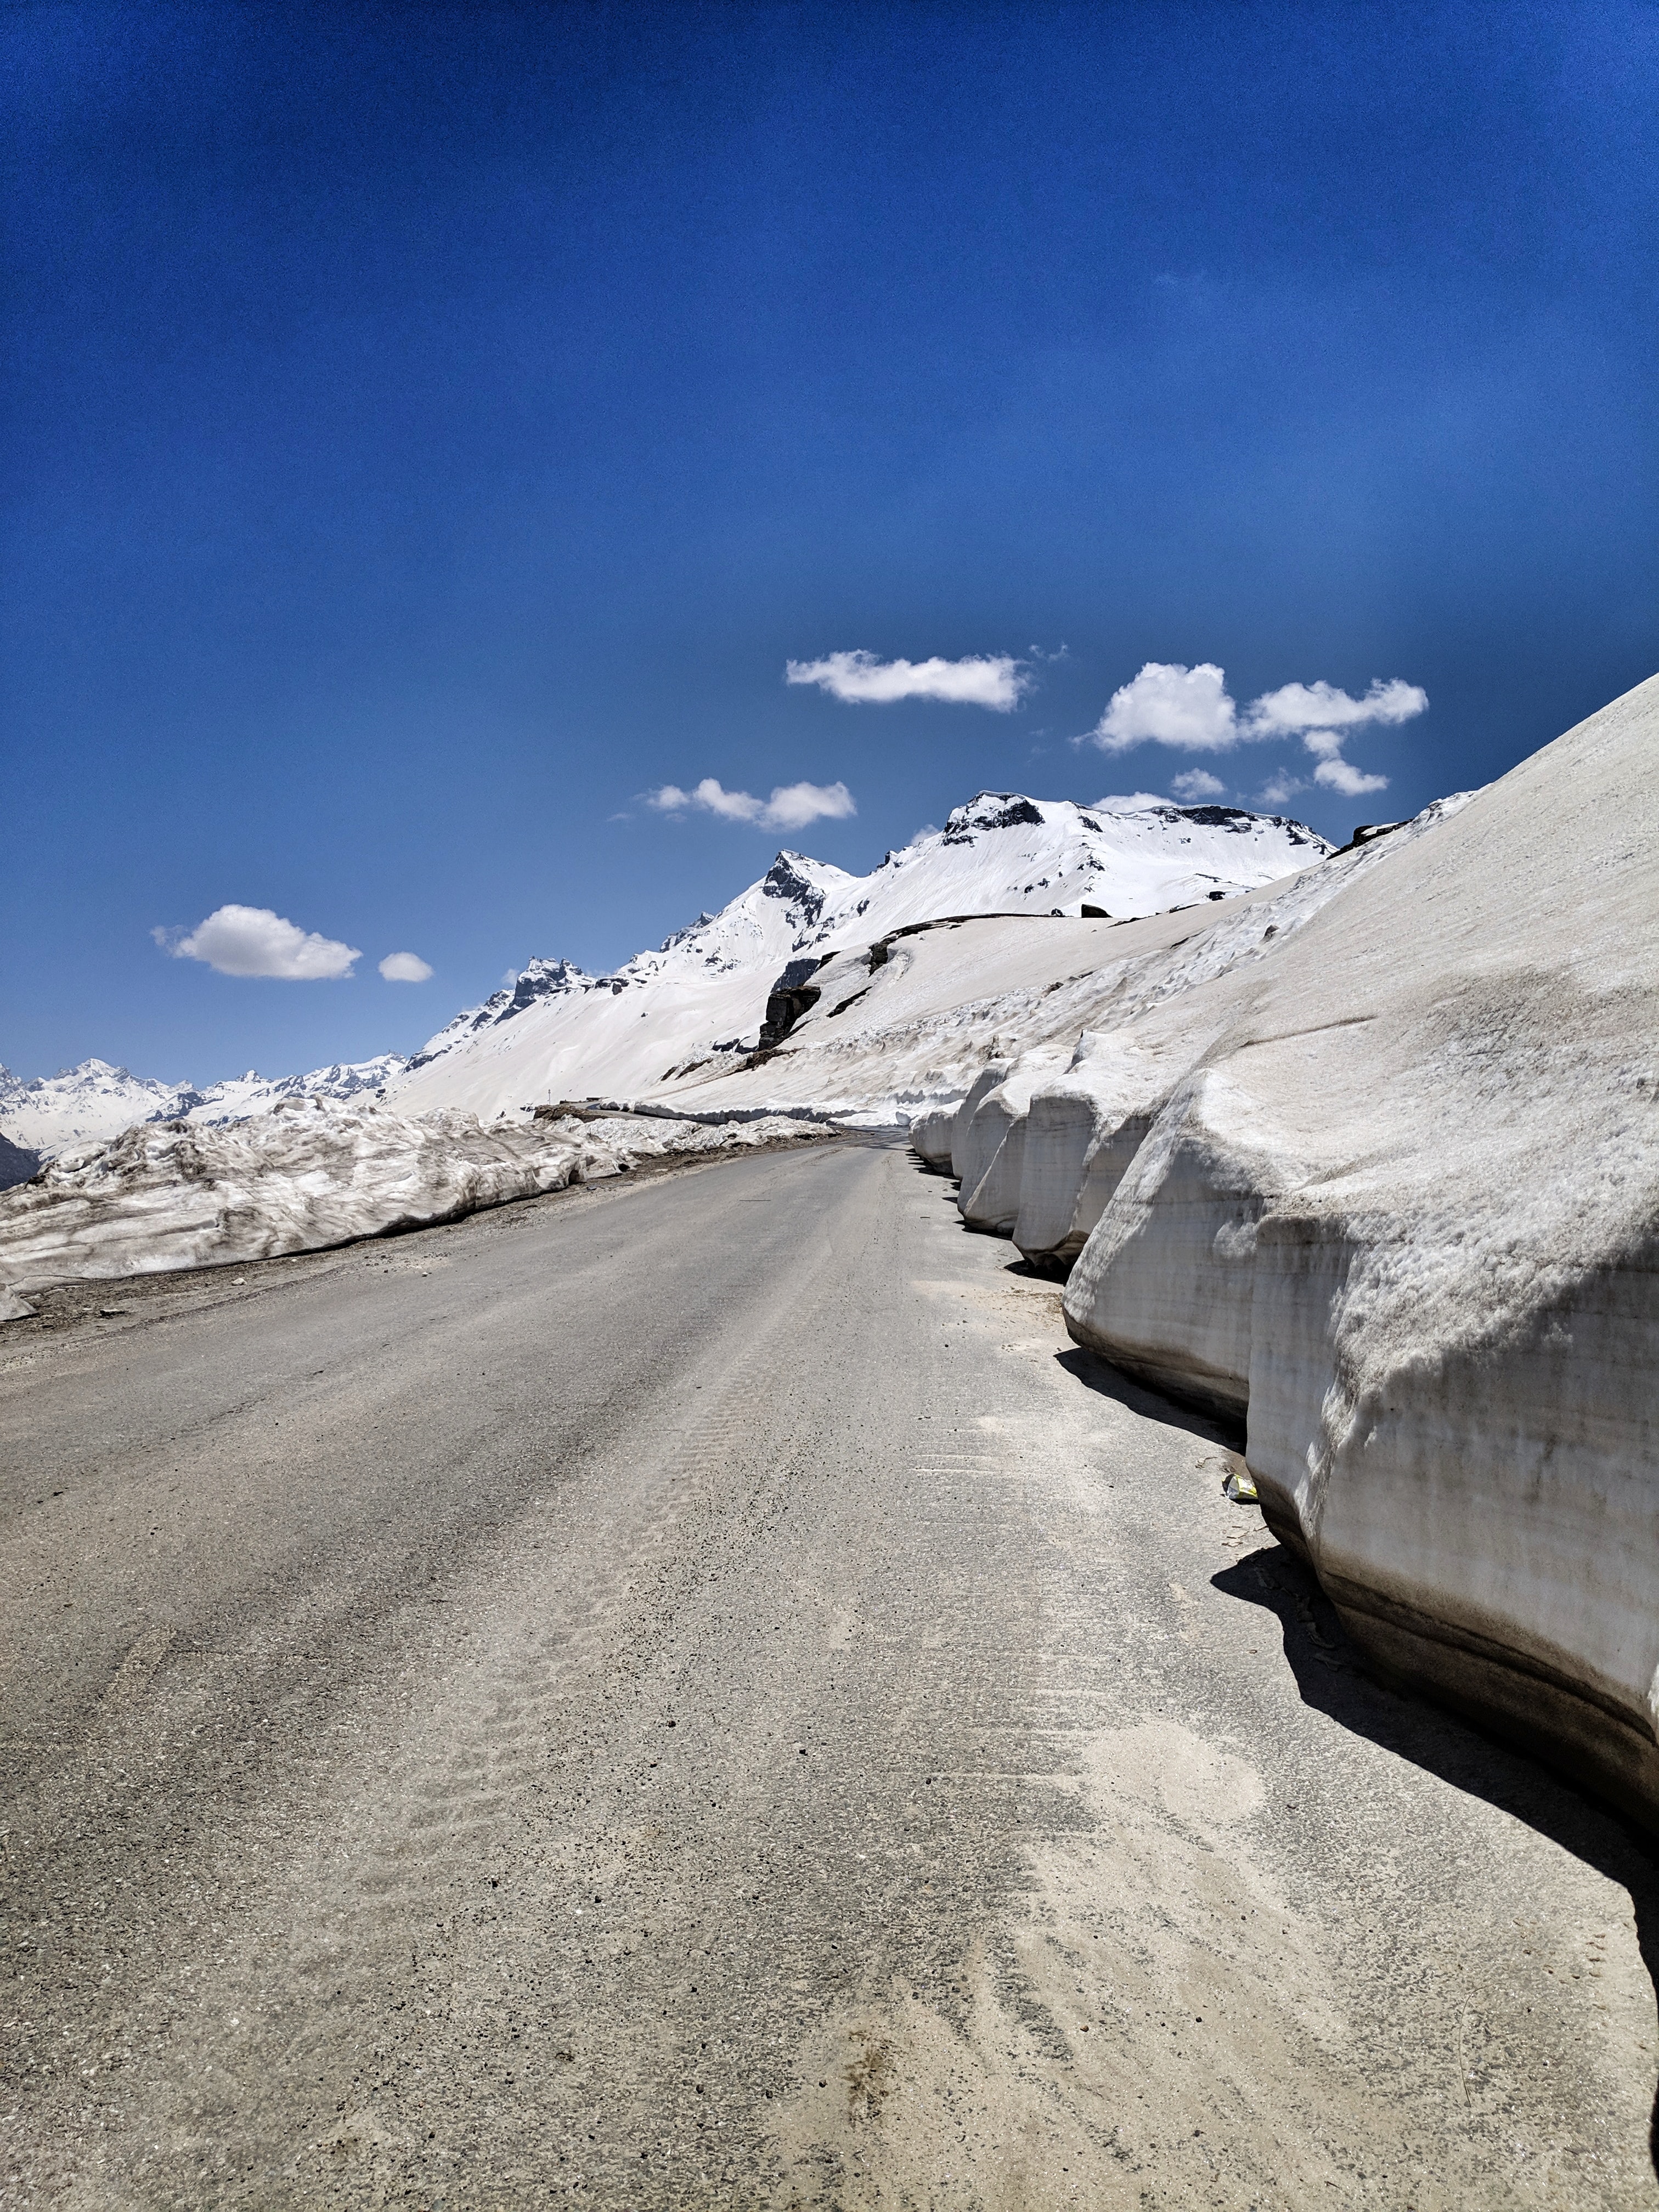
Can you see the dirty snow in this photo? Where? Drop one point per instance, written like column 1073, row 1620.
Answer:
column 307, row 1175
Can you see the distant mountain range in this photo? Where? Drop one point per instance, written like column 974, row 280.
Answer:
column 701, row 997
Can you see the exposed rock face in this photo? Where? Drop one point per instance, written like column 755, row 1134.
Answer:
column 790, row 997
column 16, row 1164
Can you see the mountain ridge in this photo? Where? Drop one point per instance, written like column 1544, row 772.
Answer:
column 707, row 984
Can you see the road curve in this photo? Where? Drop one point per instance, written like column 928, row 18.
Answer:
column 696, row 1694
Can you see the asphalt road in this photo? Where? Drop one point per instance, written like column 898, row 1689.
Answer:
column 695, row 1694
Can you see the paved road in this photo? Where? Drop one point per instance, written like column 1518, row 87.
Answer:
column 695, row 1695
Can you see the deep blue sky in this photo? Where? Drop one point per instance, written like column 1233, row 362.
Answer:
column 426, row 430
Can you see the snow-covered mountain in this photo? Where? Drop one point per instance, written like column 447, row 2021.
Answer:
column 95, row 1101
column 82, row 1105
column 697, row 1002
column 241, row 1096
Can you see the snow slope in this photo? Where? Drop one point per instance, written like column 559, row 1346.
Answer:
column 692, row 1010
column 908, row 1028
column 699, row 1000
column 562, row 1034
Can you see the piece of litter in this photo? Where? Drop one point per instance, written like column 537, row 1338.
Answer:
column 1240, row 1487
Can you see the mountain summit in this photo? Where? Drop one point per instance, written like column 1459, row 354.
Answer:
column 701, row 997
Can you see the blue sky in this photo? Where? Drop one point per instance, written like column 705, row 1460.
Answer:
column 429, row 431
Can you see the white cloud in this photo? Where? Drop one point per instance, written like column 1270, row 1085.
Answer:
column 791, row 806
column 1127, row 802
column 404, row 968
column 1172, row 704
column 1338, row 774
column 995, row 680
column 1297, row 707
column 1333, row 771
column 1194, row 783
column 1279, row 786
column 252, row 940
column 1190, row 707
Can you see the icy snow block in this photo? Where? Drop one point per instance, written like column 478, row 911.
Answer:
column 1061, row 1124
column 931, row 1134
column 1482, row 1512
column 999, row 1131
column 983, row 1084
column 1082, row 1132
column 1163, row 1286
column 1406, row 1214
column 992, row 1150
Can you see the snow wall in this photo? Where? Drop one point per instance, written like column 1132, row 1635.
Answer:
column 309, row 1175
column 1389, row 1191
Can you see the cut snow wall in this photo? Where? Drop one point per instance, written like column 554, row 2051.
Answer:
column 1399, row 1205
column 931, row 1134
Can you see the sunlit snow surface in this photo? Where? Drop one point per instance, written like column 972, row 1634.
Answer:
column 693, row 1008
column 96, row 1101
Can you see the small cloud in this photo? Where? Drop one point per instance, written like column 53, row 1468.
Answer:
column 1338, row 774
column 1194, row 783
column 1298, row 707
column 1279, row 786
column 1172, row 704
column 1127, row 802
column 1333, row 771
column 993, row 680
column 252, row 940
column 791, row 806
column 404, row 968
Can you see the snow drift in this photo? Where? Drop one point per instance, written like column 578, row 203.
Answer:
column 1374, row 1163
column 304, row 1177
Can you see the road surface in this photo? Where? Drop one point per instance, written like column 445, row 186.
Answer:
column 696, row 1694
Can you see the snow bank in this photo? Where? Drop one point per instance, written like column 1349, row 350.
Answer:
column 993, row 1145
column 304, row 1177
column 931, row 1134
column 1377, row 1166
column 1083, row 1131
